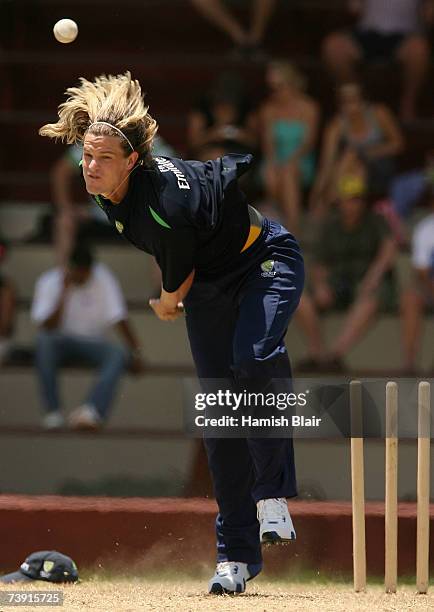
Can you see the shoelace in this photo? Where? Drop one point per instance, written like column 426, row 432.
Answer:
column 225, row 567
column 272, row 509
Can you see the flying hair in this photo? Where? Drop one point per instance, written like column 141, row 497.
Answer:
column 107, row 106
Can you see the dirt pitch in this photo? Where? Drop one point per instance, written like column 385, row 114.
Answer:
column 188, row 595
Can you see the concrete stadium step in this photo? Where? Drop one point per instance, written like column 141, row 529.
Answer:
column 20, row 222
column 324, row 469
column 323, row 466
column 379, row 349
column 162, row 343
column 26, row 262
column 133, row 268
column 48, row 464
column 167, row 344
column 146, row 402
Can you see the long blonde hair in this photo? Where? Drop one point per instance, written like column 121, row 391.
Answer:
column 116, row 100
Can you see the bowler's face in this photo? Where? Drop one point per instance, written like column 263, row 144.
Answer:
column 105, row 165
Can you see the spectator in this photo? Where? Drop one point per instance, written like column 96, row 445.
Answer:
column 289, row 121
column 221, row 122
column 386, row 30
column 362, row 139
column 418, row 298
column 73, row 309
column 249, row 41
column 7, row 308
column 351, row 269
column 411, row 188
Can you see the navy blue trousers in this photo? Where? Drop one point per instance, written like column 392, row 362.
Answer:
column 236, row 326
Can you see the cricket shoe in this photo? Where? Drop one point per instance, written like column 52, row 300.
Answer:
column 53, row 420
column 231, row 576
column 85, row 418
column 275, row 523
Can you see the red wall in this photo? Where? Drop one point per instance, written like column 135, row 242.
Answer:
column 179, row 533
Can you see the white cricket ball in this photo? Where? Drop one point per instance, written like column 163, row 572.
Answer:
column 65, row 30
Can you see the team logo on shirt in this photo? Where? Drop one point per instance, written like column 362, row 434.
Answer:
column 119, row 227
column 267, row 268
column 48, row 566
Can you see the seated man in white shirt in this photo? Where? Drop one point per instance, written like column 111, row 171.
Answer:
column 419, row 298
column 73, row 309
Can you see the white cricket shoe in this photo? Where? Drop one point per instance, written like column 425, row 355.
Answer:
column 53, row 420
column 85, row 417
column 231, row 576
column 275, row 523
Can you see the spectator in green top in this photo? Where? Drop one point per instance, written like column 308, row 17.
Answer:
column 351, row 271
